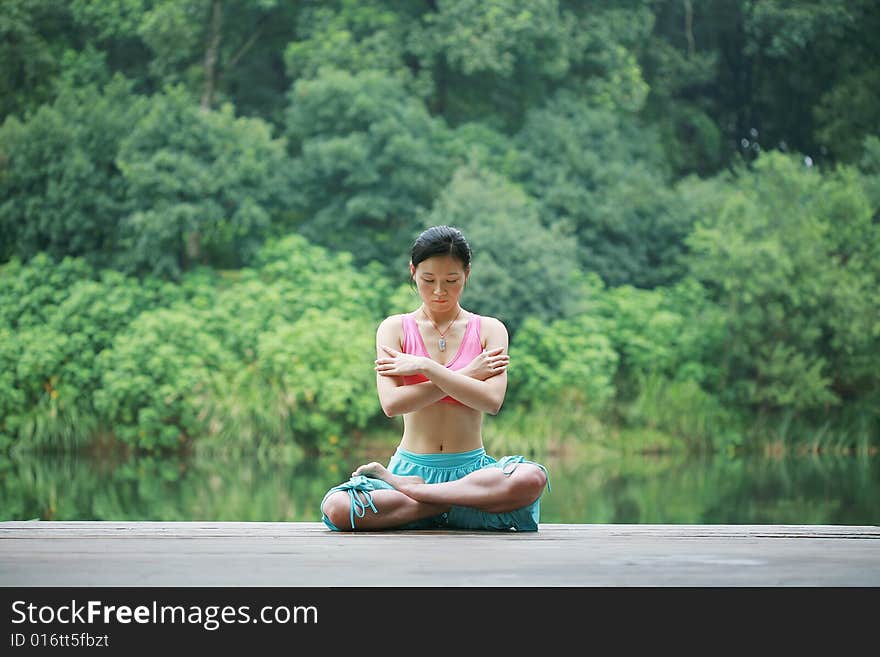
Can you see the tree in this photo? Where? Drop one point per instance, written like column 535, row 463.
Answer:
column 681, row 63
column 600, row 174
column 205, row 187
column 221, row 50
column 368, row 157
column 355, row 36
column 791, row 257
column 33, row 37
column 520, row 267
column 730, row 79
column 61, row 189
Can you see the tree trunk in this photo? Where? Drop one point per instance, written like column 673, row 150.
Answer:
column 211, row 55
column 689, row 26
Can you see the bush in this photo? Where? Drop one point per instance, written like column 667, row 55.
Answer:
column 567, row 358
column 151, row 374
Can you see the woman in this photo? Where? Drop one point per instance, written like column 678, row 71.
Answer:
column 441, row 367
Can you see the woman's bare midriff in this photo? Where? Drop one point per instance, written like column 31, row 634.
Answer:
column 441, row 428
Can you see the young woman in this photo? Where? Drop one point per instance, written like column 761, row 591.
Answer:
column 441, row 367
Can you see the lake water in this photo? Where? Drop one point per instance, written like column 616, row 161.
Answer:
column 665, row 489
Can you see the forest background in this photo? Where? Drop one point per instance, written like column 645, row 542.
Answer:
column 206, row 208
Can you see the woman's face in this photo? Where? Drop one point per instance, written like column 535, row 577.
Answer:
column 440, row 281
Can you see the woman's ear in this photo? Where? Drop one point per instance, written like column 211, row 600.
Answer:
column 412, row 270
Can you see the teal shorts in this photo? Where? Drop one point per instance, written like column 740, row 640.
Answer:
column 437, row 468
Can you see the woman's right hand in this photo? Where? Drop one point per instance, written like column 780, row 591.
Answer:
column 487, row 364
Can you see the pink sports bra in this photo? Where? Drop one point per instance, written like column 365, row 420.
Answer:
column 471, row 346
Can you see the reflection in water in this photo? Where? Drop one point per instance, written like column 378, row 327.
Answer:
column 671, row 490
column 627, row 489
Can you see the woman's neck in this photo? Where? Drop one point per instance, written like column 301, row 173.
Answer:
column 441, row 318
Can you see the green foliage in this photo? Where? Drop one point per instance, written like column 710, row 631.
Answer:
column 206, row 187
column 293, row 375
column 61, row 190
column 519, row 268
column 320, row 278
column 30, row 292
column 494, row 61
column 708, row 75
column 368, row 158
column 683, row 409
column 608, row 72
column 109, row 19
column 290, row 276
column 568, row 360
column 175, row 33
column 791, row 257
column 239, row 56
column 150, row 375
column 33, row 36
column 184, row 139
column 731, row 79
column 692, row 139
column 40, row 362
column 297, row 325
column 47, row 406
column 350, row 35
column 496, row 37
column 870, row 167
column 252, row 358
column 668, row 342
column 599, row 174
column 58, row 318
column 644, row 330
column 13, row 401
column 476, row 143
column 669, row 332
column 318, row 371
column 846, row 113
column 265, row 361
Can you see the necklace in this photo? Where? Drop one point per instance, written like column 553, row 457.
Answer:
column 442, row 342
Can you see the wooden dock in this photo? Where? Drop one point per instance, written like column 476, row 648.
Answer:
column 306, row 554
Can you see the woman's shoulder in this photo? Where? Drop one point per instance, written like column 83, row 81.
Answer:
column 391, row 323
column 489, row 324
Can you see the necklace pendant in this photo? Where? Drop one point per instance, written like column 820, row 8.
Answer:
column 442, row 344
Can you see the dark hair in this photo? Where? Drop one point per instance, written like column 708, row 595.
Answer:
column 441, row 240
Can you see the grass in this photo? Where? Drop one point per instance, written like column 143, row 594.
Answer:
column 664, row 417
column 684, row 410
column 44, row 427
column 847, row 433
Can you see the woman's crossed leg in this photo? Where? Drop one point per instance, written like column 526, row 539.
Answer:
column 489, row 489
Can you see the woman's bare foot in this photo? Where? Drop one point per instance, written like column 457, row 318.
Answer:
column 378, row 471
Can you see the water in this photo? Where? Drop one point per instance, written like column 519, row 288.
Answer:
column 664, row 489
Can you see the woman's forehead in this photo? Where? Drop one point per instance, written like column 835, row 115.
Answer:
column 441, row 265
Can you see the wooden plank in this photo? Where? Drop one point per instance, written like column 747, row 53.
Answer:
column 34, row 553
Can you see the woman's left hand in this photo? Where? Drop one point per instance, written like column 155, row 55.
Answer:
column 397, row 363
